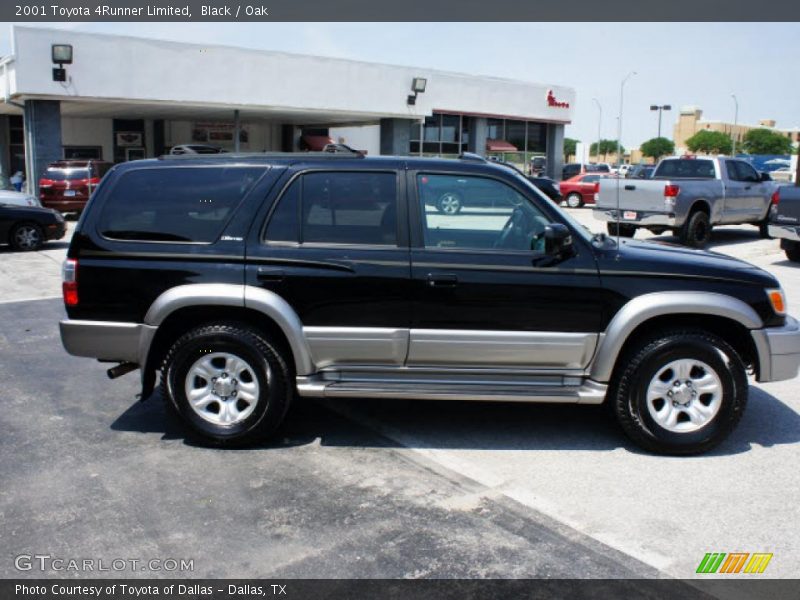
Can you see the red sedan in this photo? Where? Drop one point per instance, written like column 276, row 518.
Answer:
column 581, row 189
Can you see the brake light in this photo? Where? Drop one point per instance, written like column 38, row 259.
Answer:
column 597, row 187
column 45, row 182
column 776, row 198
column 671, row 191
column 69, row 282
column 94, row 181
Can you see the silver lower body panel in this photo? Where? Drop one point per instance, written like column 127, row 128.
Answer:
column 779, row 351
column 106, row 340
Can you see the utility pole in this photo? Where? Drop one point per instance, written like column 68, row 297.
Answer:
column 599, row 126
column 659, row 109
column 619, row 146
column 735, row 122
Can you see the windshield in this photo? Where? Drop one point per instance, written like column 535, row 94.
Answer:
column 62, row 174
column 687, row 168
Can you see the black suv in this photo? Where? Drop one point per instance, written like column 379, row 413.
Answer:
column 246, row 280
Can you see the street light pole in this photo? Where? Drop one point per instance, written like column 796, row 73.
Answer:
column 660, row 109
column 599, row 126
column 619, row 147
column 735, row 121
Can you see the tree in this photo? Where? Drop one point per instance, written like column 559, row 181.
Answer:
column 570, row 147
column 606, row 147
column 710, row 142
column 765, row 141
column 657, row 147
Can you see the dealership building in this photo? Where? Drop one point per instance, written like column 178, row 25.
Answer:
column 69, row 94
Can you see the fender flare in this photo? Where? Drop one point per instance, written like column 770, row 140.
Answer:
column 658, row 304
column 264, row 301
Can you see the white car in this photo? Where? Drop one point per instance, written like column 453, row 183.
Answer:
column 18, row 198
column 623, row 170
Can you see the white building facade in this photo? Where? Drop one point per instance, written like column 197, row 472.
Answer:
column 125, row 98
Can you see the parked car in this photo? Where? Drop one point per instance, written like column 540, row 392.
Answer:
column 784, row 220
column 196, row 149
column 537, row 166
column 688, row 195
column 640, row 172
column 248, row 282
column 622, row 170
column 581, row 189
column 570, row 170
column 9, row 195
column 67, row 184
column 28, row 227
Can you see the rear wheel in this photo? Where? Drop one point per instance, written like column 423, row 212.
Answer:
column 696, row 232
column 792, row 250
column 627, row 231
column 680, row 392
column 27, row 236
column 763, row 230
column 228, row 383
column 574, row 200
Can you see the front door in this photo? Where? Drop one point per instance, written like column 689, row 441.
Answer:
column 485, row 294
column 334, row 247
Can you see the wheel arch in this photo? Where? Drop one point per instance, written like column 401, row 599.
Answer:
column 728, row 317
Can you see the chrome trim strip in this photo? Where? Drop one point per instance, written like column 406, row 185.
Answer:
column 657, row 304
column 500, row 348
column 359, row 345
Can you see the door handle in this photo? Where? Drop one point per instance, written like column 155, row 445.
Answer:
column 747, row 187
column 630, row 188
column 270, row 274
column 442, row 280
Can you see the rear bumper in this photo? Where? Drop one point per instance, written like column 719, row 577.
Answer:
column 107, row 340
column 64, row 204
column 643, row 218
column 778, row 351
column 786, row 232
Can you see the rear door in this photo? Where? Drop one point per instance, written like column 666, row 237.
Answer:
column 334, row 246
column 756, row 192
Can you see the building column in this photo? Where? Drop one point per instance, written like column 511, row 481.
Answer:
column 555, row 150
column 478, row 132
column 395, row 137
column 290, row 138
column 42, row 120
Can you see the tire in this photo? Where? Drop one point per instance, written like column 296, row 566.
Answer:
column 26, row 237
column 449, row 203
column 626, row 231
column 793, row 251
column 247, row 383
column 763, row 230
column 574, row 200
column 696, row 232
column 648, row 374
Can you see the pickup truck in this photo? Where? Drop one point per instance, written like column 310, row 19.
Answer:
column 688, row 196
column 784, row 220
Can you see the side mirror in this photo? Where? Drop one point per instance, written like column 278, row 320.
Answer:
column 557, row 240
column 766, row 176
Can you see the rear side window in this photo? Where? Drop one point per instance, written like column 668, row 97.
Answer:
column 181, row 204
column 685, row 168
column 337, row 208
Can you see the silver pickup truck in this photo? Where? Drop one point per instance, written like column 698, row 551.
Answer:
column 784, row 220
column 688, row 196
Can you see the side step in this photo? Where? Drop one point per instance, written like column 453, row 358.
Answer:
column 591, row 392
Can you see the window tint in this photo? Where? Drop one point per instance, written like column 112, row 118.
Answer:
column 685, row 167
column 478, row 213
column 743, row 171
column 349, row 208
column 181, row 204
column 284, row 224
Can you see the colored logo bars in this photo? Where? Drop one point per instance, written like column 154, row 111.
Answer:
column 735, row 562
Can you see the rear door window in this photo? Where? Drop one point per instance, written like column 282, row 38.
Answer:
column 686, row 168
column 180, row 204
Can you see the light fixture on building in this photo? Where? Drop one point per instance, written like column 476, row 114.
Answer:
column 418, row 85
column 62, row 55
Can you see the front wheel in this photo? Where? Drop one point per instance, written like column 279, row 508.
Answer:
column 228, row 383
column 27, row 236
column 574, row 200
column 680, row 392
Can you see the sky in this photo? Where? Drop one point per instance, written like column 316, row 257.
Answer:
column 680, row 64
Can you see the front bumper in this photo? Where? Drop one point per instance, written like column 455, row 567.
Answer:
column 778, row 351
column 643, row 218
column 786, row 232
column 107, row 340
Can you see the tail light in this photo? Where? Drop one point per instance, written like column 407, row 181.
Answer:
column 45, row 182
column 69, row 282
column 776, row 197
column 671, row 191
column 597, row 187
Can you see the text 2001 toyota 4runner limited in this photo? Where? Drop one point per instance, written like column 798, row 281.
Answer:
column 248, row 279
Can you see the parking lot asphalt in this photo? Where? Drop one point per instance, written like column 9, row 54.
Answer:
column 569, row 466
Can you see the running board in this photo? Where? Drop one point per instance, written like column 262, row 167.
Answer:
column 591, row 392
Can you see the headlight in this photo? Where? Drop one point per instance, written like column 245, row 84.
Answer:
column 777, row 300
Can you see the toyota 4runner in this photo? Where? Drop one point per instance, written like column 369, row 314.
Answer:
column 247, row 280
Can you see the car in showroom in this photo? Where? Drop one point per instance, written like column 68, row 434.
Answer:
column 29, row 227
column 581, row 189
column 67, row 184
column 247, row 280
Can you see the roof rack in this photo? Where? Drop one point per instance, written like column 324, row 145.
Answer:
column 331, row 154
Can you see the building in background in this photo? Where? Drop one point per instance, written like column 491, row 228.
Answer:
column 690, row 121
column 125, row 98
